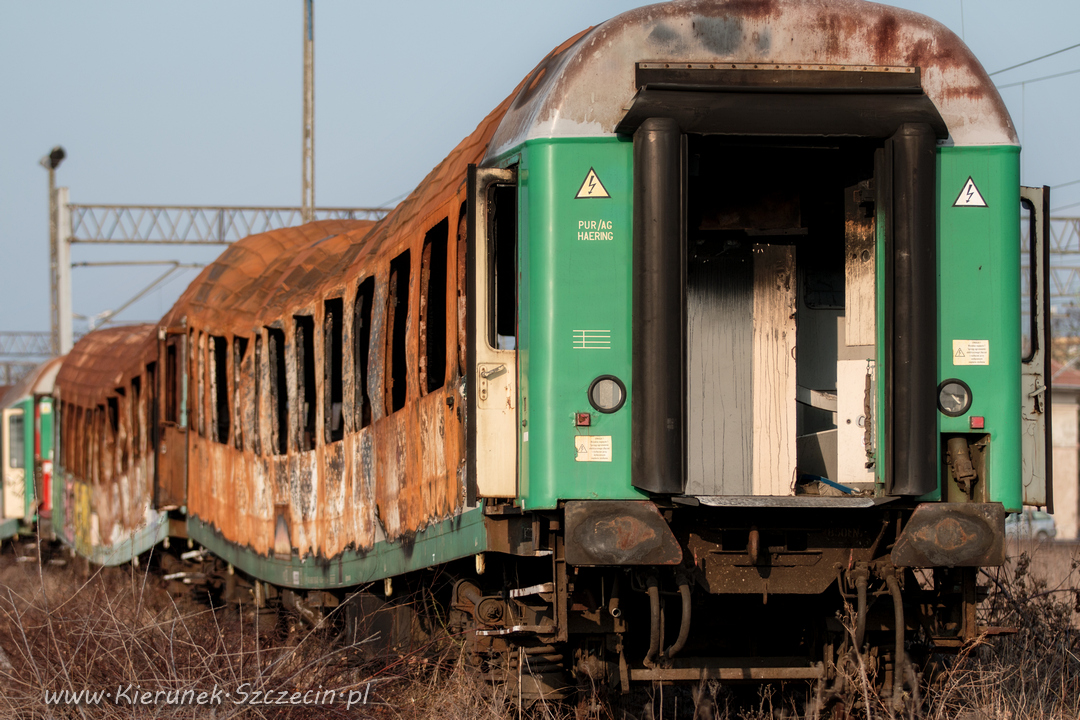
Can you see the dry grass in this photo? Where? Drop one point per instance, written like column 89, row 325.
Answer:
column 1034, row 673
column 119, row 628
column 117, row 631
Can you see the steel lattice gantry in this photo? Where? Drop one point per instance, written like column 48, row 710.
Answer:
column 202, row 225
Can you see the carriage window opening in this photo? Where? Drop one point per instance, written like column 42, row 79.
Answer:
column 219, row 388
column 503, row 290
column 256, row 412
column 121, row 427
column 279, row 398
column 365, row 294
column 199, row 371
column 433, row 309
column 16, row 442
column 79, row 461
column 333, row 311
column 172, row 385
column 114, row 413
column 137, row 415
column 1028, row 280
column 397, row 315
column 240, row 345
column 462, row 283
column 305, row 379
column 152, row 404
column 99, row 442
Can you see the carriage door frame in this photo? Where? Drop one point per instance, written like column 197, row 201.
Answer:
column 492, row 425
column 1036, row 449
column 170, row 469
column 14, row 496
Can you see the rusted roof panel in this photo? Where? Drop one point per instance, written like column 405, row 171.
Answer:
column 586, row 90
column 253, row 276
column 104, row 360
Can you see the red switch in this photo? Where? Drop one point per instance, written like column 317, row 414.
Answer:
column 978, row 423
column 582, row 419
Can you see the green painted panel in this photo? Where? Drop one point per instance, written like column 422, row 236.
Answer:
column 8, row 528
column 452, row 539
column 575, row 316
column 131, row 547
column 979, row 300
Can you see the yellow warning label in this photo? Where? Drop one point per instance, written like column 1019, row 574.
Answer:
column 970, row 352
column 593, row 448
column 592, row 187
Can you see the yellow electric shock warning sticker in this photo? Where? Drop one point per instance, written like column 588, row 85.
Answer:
column 593, row 448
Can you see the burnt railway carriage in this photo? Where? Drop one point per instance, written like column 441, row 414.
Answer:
column 714, row 325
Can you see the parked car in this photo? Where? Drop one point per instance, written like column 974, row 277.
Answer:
column 1031, row 524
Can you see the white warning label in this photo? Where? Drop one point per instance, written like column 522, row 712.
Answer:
column 970, row 352
column 593, row 448
column 592, row 187
column 969, row 196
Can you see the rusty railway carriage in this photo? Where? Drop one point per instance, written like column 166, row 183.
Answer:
column 719, row 322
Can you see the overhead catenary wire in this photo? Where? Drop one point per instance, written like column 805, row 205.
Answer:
column 1039, row 79
column 1028, row 62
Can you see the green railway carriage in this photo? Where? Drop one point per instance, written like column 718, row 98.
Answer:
column 26, row 439
column 719, row 322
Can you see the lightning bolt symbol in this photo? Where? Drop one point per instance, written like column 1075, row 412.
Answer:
column 592, row 183
column 970, row 191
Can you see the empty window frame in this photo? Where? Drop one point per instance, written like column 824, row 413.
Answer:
column 218, row 378
column 462, row 284
column 305, row 380
column 198, row 371
column 122, row 428
column 138, row 420
column 278, row 392
column 365, row 295
column 333, row 357
column 240, row 396
column 172, row 382
column 152, row 405
column 397, row 316
column 256, row 414
column 16, row 441
column 433, row 308
column 503, row 290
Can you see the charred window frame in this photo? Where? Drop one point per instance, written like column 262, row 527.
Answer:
column 433, row 308
column 172, row 381
column 122, row 429
column 333, row 359
column 278, row 392
column 462, row 284
column 138, row 416
column 99, row 443
column 504, row 286
column 221, row 416
column 198, row 371
column 397, row 323
column 239, row 382
column 256, row 415
column 79, row 461
column 152, row 405
column 305, row 380
column 365, row 296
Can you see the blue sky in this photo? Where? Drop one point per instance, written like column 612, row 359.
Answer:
column 198, row 102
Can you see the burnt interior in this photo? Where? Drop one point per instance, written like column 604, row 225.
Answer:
column 745, row 197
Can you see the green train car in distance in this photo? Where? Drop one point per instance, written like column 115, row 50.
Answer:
column 26, row 440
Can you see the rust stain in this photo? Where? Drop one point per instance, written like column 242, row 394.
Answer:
column 629, row 532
